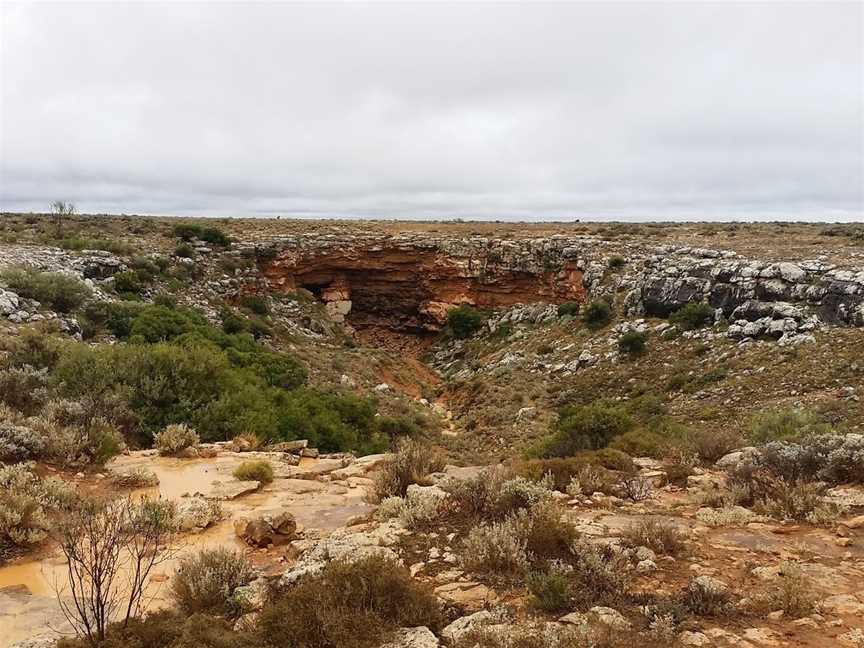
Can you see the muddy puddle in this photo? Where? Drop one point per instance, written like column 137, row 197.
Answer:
column 28, row 604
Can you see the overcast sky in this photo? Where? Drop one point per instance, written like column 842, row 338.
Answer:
column 515, row 111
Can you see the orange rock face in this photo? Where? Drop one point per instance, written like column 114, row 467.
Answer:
column 412, row 286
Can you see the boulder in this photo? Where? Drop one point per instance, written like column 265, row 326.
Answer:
column 196, row 513
column 420, row 637
column 453, row 632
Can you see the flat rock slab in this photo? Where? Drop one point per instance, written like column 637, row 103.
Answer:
column 232, row 489
column 321, row 467
column 300, row 486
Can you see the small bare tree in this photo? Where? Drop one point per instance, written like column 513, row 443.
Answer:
column 111, row 549
column 61, row 209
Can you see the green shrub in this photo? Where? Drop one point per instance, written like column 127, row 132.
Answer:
column 187, row 231
column 61, row 292
column 205, row 582
column 128, row 282
column 616, row 262
column 231, row 322
column 640, row 443
column 348, row 605
column 597, row 314
column 117, row 317
column 160, row 323
column 780, row 424
column 260, row 471
column 215, row 236
column 693, row 315
column 568, row 309
column 184, row 251
column 464, row 321
column 255, row 303
column 586, row 427
column 632, row 343
column 550, row 590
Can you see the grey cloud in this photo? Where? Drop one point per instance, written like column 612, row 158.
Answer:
column 529, row 111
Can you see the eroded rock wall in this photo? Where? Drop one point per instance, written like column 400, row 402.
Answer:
column 410, row 282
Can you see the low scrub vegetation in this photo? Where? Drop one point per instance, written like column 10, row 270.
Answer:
column 175, row 438
column 27, row 505
column 205, row 582
column 597, row 314
column 349, row 605
column 61, row 292
column 260, row 471
column 464, row 321
column 586, row 427
column 412, row 463
column 693, row 315
column 632, row 343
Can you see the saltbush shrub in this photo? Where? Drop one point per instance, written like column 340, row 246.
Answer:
column 205, row 582
column 693, row 315
column 27, row 503
column 61, row 292
column 597, row 314
column 464, row 321
column 19, row 443
column 260, row 471
column 175, row 438
column 23, row 388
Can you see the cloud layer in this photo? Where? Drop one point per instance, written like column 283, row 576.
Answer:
column 525, row 111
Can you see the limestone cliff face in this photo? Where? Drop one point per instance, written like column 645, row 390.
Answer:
column 410, row 282
column 749, row 290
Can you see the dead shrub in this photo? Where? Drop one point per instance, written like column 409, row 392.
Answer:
column 348, row 605
column 707, row 596
column 660, row 536
column 791, row 591
column 412, row 463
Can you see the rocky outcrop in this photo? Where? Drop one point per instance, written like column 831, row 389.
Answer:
column 747, row 290
column 409, row 282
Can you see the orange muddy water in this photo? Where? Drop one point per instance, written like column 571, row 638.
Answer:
column 28, row 603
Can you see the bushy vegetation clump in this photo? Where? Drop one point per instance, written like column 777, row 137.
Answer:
column 190, row 231
column 632, row 343
column 349, row 605
column 693, row 315
column 597, row 314
column 27, row 503
column 586, row 427
column 61, row 292
column 205, row 582
column 175, row 438
column 464, row 321
column 412, row 463
column 260, row 471
column 785, row 424
column 568, row 309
